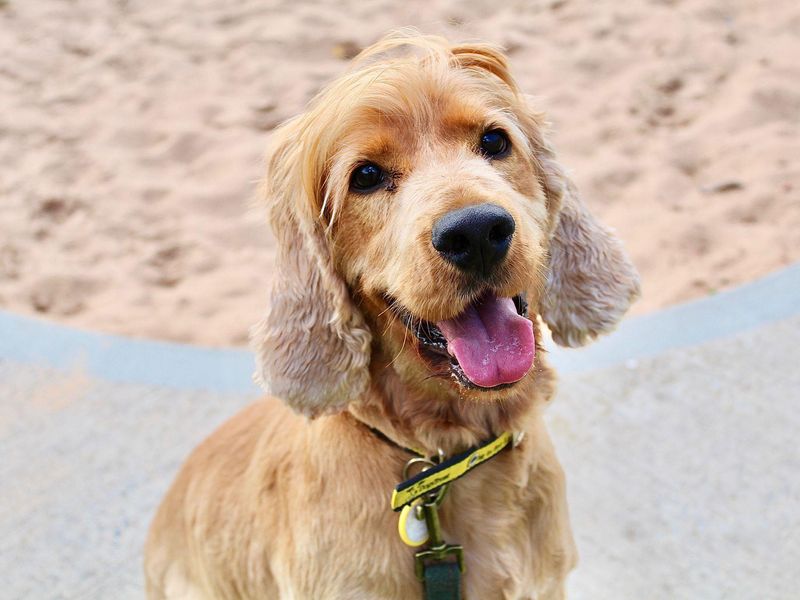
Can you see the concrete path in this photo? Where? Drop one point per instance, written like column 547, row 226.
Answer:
column 679, row 435
column 84, row 464
column 684, row 471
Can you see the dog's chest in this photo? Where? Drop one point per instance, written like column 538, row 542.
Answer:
column 488, row 513
column 491, row 514
column 500, row 552
column 493, row 521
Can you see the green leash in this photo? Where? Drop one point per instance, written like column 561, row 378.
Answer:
column 439, row 567
column 442, row 581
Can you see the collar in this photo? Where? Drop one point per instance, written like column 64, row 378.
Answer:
column 382, row 436
column 440, row 472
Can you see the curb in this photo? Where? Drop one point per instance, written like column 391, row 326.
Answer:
column 117, row 358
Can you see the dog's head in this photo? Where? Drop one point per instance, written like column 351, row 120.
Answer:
column 421, row 214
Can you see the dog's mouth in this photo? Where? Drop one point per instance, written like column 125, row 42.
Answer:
column 490, row 345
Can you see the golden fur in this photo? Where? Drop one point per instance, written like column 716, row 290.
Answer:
column 277, row 505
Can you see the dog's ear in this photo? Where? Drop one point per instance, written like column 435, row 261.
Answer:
column 591, row 280
column 484, row 57
column 313, row 346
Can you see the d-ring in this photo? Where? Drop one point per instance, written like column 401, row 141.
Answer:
column 418, row 460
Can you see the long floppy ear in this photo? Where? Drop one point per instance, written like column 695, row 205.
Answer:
column 591, row 281
column 312, row 347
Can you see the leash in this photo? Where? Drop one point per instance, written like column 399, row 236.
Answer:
column 439, row 565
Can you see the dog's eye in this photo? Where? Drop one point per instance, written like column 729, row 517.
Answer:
column 495, row 143
column 366, row 177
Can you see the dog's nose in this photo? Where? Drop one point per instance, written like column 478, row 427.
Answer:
column 475, row 239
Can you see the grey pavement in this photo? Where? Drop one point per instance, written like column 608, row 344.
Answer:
column 684, row 471
column 679, row 435
column 84, row 464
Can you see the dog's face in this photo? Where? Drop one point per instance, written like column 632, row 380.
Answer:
column 441, row 228
column 419, row 206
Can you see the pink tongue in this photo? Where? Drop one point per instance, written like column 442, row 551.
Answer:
column 493, row 344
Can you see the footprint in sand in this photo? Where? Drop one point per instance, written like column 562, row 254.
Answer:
column 166, row 266
column 54, row 209
column 61, row 295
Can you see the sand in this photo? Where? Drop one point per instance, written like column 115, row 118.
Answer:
column 132, row 134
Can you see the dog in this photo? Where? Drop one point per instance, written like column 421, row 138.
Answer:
column 426, row 231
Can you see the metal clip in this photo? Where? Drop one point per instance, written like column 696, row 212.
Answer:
column 426, row 463
column 438, row 549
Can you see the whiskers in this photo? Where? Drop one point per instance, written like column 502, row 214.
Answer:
column 402, row 347
column 412, row 324
column 394, row 308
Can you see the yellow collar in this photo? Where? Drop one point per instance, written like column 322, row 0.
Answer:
column 442, row 473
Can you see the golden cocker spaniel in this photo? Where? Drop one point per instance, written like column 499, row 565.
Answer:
column 424, row 227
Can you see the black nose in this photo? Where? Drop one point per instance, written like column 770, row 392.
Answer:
column 475, row 239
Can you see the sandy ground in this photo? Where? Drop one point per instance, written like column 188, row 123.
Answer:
column 131, row 137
